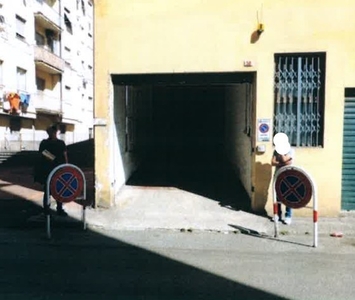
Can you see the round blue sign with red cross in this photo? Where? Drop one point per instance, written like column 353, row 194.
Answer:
column 293, row 188
column 66, row 184
column 264, row 128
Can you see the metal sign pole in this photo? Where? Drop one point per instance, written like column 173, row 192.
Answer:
column 48, row 202
column 315, row 215
column 276, row 208
column 315, row 208
column 84, row 199
column 59, row 195
column 47, row 210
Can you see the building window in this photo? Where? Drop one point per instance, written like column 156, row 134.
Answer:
column 50, row 36
column 68, row 24
column 83, row 7
column 1, row 73
column 41, row 84
column 62, row 128
column 299, row 98
column 67, row 55
column 21, row 79
column 20, row 27
column 40, row 41
column 89, row 29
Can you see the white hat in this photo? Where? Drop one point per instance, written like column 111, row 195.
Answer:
column 283, row 148
column 280, row 138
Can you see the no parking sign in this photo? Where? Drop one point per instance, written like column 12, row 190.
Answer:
column 264, row 130
column 66, row 183
column 293, row 187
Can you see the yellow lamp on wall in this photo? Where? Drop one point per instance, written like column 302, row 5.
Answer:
column 261, row 28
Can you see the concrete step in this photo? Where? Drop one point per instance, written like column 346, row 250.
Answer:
column 17, row 158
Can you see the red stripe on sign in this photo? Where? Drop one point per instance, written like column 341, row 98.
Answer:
column 315, row 216
column 276, row 209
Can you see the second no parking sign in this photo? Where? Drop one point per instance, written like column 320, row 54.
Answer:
column 264, row 130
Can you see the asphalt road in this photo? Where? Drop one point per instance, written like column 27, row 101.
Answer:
column 99, row 264
column 155, row 264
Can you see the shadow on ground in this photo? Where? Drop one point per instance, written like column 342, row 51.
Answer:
column 77, row 264
column 203, row 173
column 18, row 169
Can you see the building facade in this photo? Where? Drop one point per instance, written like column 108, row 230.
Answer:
column 275, row 66
column 46, row 71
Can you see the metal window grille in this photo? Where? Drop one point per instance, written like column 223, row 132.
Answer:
column 299, row 98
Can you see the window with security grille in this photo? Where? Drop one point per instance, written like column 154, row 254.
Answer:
column 299, row 98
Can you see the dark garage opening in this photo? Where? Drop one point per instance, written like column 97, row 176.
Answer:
column 176, row 135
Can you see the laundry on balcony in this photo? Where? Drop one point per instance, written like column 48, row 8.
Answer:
column 24, row 101
column 14, row 100
column 4, row 103
column 6, row 106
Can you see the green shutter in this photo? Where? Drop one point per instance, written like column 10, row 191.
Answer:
column 348, row 170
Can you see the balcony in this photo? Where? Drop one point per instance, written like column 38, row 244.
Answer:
column 71, row 114
column 47, row 61
column 47, row 17
column 47, row 104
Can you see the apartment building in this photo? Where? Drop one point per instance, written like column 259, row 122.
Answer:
column 46, row 71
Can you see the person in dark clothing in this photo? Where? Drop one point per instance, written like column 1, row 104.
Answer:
column 52, row 153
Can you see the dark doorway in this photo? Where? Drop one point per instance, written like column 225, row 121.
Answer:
column 188, row 145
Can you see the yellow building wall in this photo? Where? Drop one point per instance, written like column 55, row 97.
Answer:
column 167, row 36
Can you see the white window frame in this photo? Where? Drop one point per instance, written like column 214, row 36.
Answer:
column 21, row 79
column 20, row 27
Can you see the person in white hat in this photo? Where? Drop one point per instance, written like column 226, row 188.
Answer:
column 283, row 156
column 280, row 138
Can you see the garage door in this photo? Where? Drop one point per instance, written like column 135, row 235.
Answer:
column 348, row 170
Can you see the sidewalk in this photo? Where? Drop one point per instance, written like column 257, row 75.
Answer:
column 173, row 209
column 145, row 208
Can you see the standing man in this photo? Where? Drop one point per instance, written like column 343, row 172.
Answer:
column 283, row 155
column 53, row 152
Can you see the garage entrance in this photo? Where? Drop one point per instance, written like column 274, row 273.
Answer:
column 189, row 131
